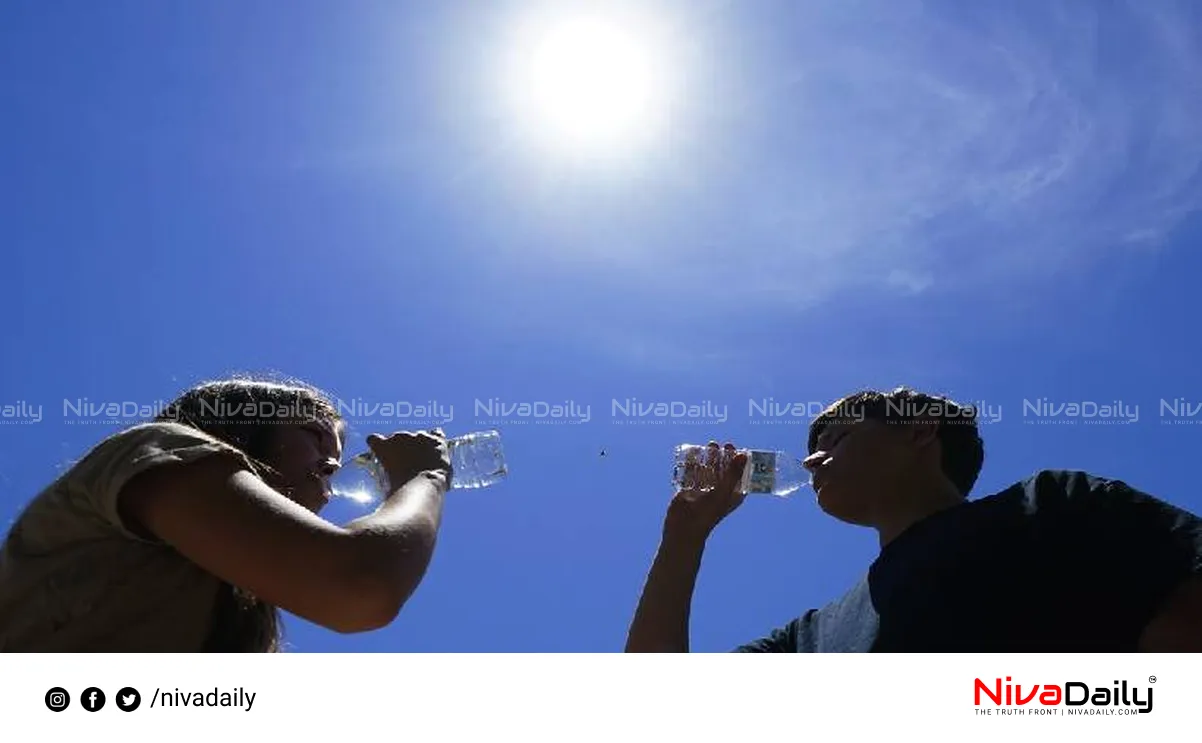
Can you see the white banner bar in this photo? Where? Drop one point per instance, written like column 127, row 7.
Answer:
column 608, row 698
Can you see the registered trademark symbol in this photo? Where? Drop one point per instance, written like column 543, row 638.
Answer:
column 1151, row 679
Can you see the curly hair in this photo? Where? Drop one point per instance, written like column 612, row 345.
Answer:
column 242, row 413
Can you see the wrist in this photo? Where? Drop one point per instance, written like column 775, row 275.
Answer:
column 440, row 479
column 435, row 482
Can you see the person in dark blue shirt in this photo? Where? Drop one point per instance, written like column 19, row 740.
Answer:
column 1062, row 561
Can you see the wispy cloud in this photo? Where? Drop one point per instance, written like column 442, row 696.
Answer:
column 938, row 143
column 909, row 281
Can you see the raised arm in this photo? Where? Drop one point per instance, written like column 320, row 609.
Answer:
column 661, row 620
column 224, row 518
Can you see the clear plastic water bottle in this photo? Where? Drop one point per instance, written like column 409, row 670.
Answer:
column 477, row 461
column 767, row 472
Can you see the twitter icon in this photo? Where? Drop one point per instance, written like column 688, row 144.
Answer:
column 128, row 699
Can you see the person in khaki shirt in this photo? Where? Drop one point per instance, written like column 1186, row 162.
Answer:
column 188, row 533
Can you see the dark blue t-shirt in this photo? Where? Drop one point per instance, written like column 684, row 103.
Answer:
column 1060, row 562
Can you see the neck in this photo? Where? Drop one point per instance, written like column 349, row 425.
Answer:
column 914, row 503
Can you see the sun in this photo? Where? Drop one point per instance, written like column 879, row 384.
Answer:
column 588, row 83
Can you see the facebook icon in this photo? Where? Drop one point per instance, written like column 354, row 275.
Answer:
column 92, row 699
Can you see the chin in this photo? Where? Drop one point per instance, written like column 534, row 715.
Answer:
column 828, row 501
column 836, row 505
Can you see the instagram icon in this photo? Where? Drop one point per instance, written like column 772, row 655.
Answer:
column 57, row 699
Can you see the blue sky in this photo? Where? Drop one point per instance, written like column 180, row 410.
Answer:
column 993, row 203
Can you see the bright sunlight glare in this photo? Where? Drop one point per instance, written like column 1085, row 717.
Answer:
column 586, row 83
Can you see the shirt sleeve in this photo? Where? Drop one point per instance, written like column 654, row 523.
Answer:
column 1136, row 548
column 96, row 481
column 782, row 639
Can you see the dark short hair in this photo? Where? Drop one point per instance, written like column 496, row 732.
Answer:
column 959, row 437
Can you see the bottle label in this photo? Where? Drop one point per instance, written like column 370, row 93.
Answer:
column 762, row 465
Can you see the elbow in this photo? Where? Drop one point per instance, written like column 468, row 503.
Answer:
column 366, row 616
column 366, row 604
column 381, row 584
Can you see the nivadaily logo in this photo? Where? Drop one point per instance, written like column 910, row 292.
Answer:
column 1070, row 697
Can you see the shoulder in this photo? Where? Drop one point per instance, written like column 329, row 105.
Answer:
column 126, row 453
column 1069, row 482
column 166, row 436
column 1051, row 489
column 1092, row 503
column 90, row 489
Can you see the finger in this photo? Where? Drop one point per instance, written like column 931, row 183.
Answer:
column 733, row 476
column 691, row 465
column 728, row 454
column 374, row 441
column 692, row 473
column 699, row 468
column 713, row 465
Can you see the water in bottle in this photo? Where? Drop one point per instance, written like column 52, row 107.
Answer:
column 767, row 472
column 477, row 461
